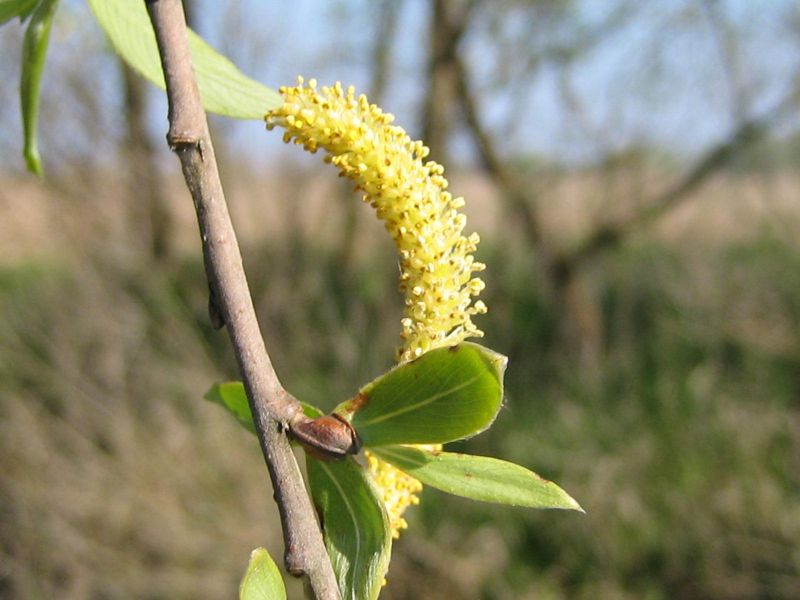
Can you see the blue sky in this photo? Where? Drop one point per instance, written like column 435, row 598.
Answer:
column 659, row 78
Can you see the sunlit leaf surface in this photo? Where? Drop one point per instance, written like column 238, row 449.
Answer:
column 224, row 89
column 447, row 394
column 263, row 580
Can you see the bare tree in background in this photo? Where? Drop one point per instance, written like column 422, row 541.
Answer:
column 145, row 184
column 448, row 22
column 149, row 202
column 450, row 82
column 386, row 16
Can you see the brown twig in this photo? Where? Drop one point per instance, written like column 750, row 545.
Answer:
column 274, row 409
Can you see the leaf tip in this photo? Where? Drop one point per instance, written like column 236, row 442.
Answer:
column 572, row 504
column 262, row 580
column 562, row 499
column 500, row 362
column 33, row 161
column 258, row 553
column 211, row 394
column 497, row 361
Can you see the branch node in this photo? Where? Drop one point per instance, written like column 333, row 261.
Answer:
column 214, row 311
column 184, row 141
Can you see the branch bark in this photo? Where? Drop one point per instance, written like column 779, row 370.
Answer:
column 274, row 409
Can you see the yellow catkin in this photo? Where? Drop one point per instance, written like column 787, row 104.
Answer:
column 409, row 194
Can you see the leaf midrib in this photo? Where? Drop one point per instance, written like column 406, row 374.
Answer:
column 353, row 518
column 420, row 404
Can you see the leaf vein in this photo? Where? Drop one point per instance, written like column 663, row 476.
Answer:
column 420, row 404
column 352, row 514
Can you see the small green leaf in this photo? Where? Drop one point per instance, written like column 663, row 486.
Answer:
column 478, row 477
column 34, row 51
column 445, row 395
column 262, row 581
column 224, row 89
column 232, row 396
column 16, row 8
column 354, row 524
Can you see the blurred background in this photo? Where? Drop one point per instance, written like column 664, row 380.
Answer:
column 633, row 170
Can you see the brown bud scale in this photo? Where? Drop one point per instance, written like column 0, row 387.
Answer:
column 327, row 438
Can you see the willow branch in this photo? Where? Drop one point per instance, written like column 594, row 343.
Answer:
column 273, row 408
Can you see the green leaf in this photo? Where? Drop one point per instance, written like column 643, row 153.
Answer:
column 232, row 396
column 478, row 477
column 262, row 581
column 354, row 524
column 34, row 51
column 447, row 394
column 224, row 89
column 16, row 8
